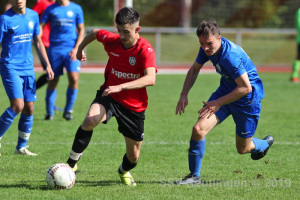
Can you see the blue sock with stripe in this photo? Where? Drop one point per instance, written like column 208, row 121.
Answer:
column 71, row 98
column 25, row 126
column 196, row 153
column 50, row 101
column 6, row 120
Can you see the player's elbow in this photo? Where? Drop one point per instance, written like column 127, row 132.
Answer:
column 151, row 81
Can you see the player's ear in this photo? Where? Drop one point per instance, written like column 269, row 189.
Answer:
column 137, row 29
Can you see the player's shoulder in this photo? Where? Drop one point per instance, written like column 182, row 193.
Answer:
column 145, row 45
column 75, row 5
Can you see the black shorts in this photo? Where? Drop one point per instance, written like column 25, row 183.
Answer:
column 131, row 124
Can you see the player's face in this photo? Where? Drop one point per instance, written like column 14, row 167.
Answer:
column 210, row 44
column 18, row 5
column 128, row 34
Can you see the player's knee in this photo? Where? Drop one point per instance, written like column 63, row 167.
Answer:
column 17, row 107
column 198, row 132
column 89, row 123
column 134, row 158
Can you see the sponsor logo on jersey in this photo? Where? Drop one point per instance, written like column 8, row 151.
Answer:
column 114, row 54
column 150, row 49
column 132, row 61
column 30, row 24
column 124, row 75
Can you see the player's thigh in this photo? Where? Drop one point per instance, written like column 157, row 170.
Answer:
column 13, row 85
column 72, row 65
column 246, row 119
column 133, row 149
column 56, row 57
column 95, row 115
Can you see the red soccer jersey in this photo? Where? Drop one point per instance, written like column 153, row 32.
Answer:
column 40, row 6
column 125, row 65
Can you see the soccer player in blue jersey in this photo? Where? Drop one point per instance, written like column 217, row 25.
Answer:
column 19, row 26
column 67, row 31
column 239, row 94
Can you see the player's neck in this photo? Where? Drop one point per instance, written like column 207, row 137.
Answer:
column 63, row 2
column 133, row 43
column 20, row 11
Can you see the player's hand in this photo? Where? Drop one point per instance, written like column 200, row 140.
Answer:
column 182, row 103
column 111, row 89
column 72, row 54
column 50, row 73
column 209, row 109
column 81, row 56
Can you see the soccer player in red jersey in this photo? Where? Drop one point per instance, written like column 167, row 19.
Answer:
column 130, row 69
column 39, row 7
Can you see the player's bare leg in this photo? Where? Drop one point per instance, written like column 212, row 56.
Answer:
column 130, row 160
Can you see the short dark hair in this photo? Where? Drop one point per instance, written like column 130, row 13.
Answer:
column 208, row 27
column 127, row 15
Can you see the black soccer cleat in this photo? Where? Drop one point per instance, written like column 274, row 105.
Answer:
column 68, row 116
column 189, row 179
column 49, row 117
column 259, row 155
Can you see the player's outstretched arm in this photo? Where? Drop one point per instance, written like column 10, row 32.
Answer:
column 43, row 55
column 188, row 84
column 81, row 56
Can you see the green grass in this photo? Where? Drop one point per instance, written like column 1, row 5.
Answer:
column 164, row 152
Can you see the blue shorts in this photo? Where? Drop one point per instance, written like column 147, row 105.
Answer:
column 59, row 58
column 22, row 87
column 245, row 117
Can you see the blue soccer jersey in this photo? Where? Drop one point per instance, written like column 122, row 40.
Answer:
column 16, row 33
column 63, row 22
column 231, row 62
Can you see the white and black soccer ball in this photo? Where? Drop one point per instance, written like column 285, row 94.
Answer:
column 60, row 176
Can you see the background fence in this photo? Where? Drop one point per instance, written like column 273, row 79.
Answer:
column 179, row 46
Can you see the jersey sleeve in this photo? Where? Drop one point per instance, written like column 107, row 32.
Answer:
column 37, row 26
column 79, row 17
column 3, row 27
column 202, row 57
column 234, row 65
column 105, row 36
column 148, row 57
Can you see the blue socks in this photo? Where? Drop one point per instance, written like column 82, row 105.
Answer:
column 25, row 126
column 196, row 153
column 50, row 101
column 6, row 120
column 260, row 145
column 71, row 98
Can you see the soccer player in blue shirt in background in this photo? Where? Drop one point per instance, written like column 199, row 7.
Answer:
column 19, row 26
column 67, row 31
column 239, row 94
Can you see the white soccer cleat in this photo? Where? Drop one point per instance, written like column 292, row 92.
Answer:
column 24, row 151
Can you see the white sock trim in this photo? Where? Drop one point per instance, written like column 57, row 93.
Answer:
column 74, row 155
column 24, row 135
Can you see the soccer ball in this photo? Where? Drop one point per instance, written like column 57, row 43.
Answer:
column 60, row 176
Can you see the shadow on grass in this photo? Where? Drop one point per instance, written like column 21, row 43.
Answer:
column 44, row 186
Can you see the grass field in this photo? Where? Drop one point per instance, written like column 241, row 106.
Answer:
column 227, row 174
